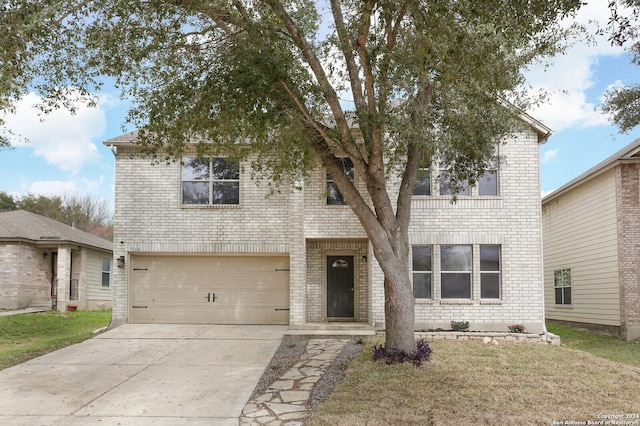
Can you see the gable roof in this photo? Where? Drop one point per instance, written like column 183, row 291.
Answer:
column 543, row 132
column 127, row 138
column 27, row 226
column 630, row 153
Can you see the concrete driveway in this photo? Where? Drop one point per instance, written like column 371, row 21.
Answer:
column 142, row 375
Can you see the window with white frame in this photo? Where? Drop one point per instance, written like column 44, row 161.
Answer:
column 562, row 286
column 444, row 180
column 488, row 182
column 334, row 197
column 423, row 182
column 489, row 272
column 210, row 181
column 455, row 272
column 421, row 269
column 106, row 271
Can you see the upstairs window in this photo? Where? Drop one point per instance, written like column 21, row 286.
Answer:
column 423, row 182
column 210, row 181
column 455, row 272
column 334, row 197
column 421, row 268
column 445, row 184
column 562, row 286
column 488, row 182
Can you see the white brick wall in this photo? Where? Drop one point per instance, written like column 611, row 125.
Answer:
column 149, row 218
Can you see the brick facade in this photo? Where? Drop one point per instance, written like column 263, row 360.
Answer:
column 25, row 275
column 628, row 217
column 149, row 218
column 41, row 260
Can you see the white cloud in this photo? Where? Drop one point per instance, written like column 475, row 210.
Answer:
column 570, row 75
column 60, row 138
column 549, row 155
column 60, row 188
column 52, row 188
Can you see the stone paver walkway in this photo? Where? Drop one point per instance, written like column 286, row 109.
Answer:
column 288, row 400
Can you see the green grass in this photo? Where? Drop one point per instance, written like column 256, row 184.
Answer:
column 26, row 336
column 472, row 383
column 607, row 347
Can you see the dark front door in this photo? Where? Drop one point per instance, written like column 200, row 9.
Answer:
column 340, row 286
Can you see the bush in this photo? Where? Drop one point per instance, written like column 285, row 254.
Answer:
column 516, row 328
column 460, row 325
column 396, row 356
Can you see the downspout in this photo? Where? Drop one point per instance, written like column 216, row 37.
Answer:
column 114, row 151
column 543, row 137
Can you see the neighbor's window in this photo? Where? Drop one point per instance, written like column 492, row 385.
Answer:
column 562, row 286
column 214, row 181
column 421, row 268
column 106, row 271
column 490, row 272
column 445, row 184
column 488, row 182
column 334, row 197
column 455, row 272
column 423, row 182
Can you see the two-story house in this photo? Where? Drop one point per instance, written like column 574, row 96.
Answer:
column 198, row 241
column 591, row 228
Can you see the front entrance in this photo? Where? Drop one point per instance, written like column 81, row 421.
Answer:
column 340, row 287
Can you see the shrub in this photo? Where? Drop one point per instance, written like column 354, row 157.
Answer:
column 460, row 325
column 516, row 328
column 396, row 356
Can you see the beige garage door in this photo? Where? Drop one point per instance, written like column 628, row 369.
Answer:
column 210, row 289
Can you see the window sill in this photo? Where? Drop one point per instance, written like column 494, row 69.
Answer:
column 449, row 198
column 209, row 207
column 563, row 306
column 424, row 301
column 491, row 301
column 456, row 302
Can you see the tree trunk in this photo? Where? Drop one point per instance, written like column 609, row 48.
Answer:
column 399, row 310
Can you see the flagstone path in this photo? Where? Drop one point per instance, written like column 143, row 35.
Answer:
column 288, row 400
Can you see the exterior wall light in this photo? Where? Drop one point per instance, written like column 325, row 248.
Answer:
column 120, row 262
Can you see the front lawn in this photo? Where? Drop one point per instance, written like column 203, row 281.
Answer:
column 26, row 336
column 472, row 383
column 607, row 347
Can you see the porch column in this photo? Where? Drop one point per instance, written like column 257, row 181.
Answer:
column 64, row 277
column 297, row 258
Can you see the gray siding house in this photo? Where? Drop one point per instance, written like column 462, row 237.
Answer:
column 45, row 263
column 591, row 229
column 199, row 242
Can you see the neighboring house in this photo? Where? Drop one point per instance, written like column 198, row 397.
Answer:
column 45, row 263
column 200, row 242
column 591, row 229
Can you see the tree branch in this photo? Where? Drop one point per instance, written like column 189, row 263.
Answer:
column 415, row 156
column 314, row 63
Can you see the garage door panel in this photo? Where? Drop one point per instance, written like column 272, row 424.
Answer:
column 216, row 290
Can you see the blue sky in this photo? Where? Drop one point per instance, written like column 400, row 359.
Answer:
column 65, row 154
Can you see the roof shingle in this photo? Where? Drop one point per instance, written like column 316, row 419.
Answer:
column 23, row 225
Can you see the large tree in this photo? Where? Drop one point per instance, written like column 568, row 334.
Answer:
column 623, row 103
column 391, row 85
